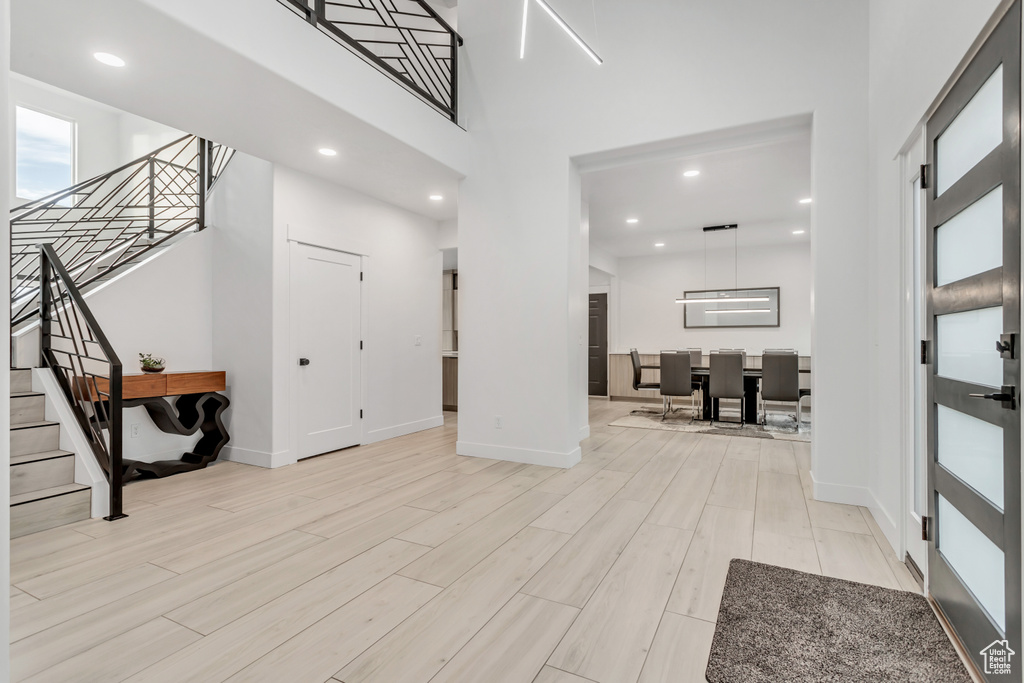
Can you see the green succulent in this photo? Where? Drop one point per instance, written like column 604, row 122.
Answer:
column 148, row 360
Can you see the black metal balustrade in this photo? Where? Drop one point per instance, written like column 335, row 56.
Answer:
column 404, row 38
column 106, row 222
column 88, row 370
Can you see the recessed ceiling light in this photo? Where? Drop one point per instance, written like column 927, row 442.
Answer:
column 632, row 221
column 659, row 244
column 692, row 174
column 108, row 59
column 799, row 232
column 436, row 197
column 328, row 152
column 808, row 200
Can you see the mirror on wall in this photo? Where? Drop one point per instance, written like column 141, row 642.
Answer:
column 731, row 307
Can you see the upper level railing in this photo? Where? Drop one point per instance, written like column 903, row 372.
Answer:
column 404, row 38
column 88, row 370
column 106, row 222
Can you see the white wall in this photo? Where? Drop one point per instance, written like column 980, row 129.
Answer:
column 241, row 215
column 164, row 307
column 519, row 214
column 915, row 46
column 402, row 287
column 651, row 320
column 106, row 137
column 6, row 159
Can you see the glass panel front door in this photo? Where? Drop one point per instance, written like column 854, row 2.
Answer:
column 973, row 318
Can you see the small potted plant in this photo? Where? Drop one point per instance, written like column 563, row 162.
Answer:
column 150, row 363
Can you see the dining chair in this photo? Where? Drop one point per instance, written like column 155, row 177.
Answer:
column 780, row 381
column 726, row 377
column 676, row 380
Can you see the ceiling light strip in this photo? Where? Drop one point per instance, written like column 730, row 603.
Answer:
column 568, row 29
column 522, row 43
column 742, row 310
column 730, row 300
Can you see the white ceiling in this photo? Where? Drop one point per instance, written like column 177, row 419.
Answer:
column 757, row 185
column 183, row 79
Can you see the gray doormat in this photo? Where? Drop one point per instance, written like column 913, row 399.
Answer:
column 778, row 625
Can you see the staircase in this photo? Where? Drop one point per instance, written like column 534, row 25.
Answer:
column 43, row 489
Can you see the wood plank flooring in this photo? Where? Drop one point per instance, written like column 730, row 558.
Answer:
column 402, row 562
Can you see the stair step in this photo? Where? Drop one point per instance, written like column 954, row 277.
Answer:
column 39, row 471
column 27, row 407
column 49, row 508
column 21, row 379
column 34, row 437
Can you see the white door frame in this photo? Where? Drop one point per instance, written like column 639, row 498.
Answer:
column 911, row 157
column 293, row 413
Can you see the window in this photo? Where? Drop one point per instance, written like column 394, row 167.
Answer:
column 45, row 154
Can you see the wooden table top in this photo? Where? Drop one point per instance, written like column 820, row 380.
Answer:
column 157, row 384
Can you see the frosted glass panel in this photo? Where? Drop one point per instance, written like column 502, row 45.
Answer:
column 972, row 449
column 965, row 346
column 972, row 241
column 976, row 559
column 976, row 131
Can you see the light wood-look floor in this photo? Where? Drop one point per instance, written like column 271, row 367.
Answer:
column 402, row 562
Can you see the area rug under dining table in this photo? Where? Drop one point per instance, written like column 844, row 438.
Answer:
column 779, row 425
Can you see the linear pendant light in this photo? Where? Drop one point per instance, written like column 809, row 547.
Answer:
column 741, row 310
column 729, row 299
column 564, row 26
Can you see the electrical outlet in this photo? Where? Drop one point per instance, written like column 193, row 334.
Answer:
column 418, row 341
column 135, row 431
column 497, row 421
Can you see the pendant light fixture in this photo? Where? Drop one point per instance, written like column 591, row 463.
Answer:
column 736, row 276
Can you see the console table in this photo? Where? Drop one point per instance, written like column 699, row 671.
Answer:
column 198, row 406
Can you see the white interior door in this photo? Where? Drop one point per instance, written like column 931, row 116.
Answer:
column 325, row 319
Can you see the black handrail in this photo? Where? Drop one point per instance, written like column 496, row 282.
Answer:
column 104, row 223
column 406, row 39
column 74, row 347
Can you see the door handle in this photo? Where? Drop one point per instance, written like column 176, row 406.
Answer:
column 993, row 397
column 1007, row 396
column 303, row 361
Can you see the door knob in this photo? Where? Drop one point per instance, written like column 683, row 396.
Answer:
column 303, row 361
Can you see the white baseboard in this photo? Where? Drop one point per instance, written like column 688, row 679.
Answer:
column 403, row 429
column 864, row 497
column 524, row 455
column 841, row 493
column 584, row 432
column 255, row 458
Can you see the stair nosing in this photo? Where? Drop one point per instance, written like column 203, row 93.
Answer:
column 40, row 456
column 78, row 489
column 31, row 425
column 26, row 394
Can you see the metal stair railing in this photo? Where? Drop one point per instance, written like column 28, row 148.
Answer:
column 73, row 346
column 104, row 223
column 406, row 39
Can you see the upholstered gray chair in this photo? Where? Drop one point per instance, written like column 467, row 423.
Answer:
column 638, row 369
column 696, row 361
column 676, row 379
column 780, row 379
column 726, row 380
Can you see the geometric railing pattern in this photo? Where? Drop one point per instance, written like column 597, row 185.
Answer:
column 404, row 38
column 103, row 223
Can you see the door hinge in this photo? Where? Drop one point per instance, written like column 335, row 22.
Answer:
column 924, row 528
column 924, row 352
column 360, row 276
column 360, row 344
column 925, row 180
column 360, row 413
column 1006, row 346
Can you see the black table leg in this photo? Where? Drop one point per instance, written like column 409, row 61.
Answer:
column 750, row 385
column 705, row 409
